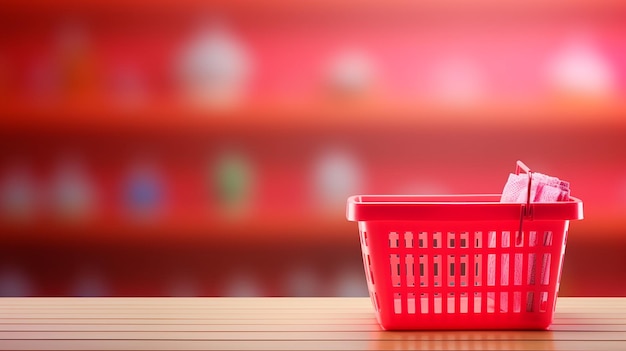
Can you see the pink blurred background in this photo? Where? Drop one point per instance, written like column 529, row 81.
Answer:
column 206, row 148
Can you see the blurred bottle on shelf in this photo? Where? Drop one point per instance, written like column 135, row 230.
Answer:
column 241, row 283
column 144, row 191
column 14, row 282
column 580, row 70
column 349, row 281
column 67, row 72
column 351, row 74
column 18, row 193
column 213, row 67
column 5, row 89
column 72, row 190
column 336, row 175
column 232, row 182
column 76, row 57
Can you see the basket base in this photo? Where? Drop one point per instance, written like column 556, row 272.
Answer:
column 490, row 321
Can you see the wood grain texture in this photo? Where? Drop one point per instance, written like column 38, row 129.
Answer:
column 278, row 324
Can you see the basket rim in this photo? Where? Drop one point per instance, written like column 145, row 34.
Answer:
column 466, row 207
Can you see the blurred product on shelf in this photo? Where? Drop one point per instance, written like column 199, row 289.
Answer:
column 348, row 281
column 213, row 67
column 144, row 193
column 232, row 181
column 18, row 193
column 15, row 282
column 72, row 190
column 351, row 73
column 337, row 174
column 5, row 85
column 76, row 57
column 581, row 70
column 66, row 71
column 457, row 82
column 255, row 124
column 302, row 280
column 241, row 283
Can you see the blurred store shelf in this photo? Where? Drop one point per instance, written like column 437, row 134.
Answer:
column 123, row 174
column 303, row 117
column 277, row 231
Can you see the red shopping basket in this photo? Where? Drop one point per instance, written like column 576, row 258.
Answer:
column 462, row 261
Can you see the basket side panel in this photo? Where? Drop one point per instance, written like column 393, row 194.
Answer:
column 463, row 275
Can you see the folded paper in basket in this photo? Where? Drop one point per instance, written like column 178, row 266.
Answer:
column 544, row 188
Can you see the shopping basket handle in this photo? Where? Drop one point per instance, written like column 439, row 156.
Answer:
column 521, row 166
column 526, row 211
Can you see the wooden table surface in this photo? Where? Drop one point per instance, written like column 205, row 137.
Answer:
column 278, row 324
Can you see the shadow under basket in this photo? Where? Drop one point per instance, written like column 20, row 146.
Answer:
column 462, row 261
